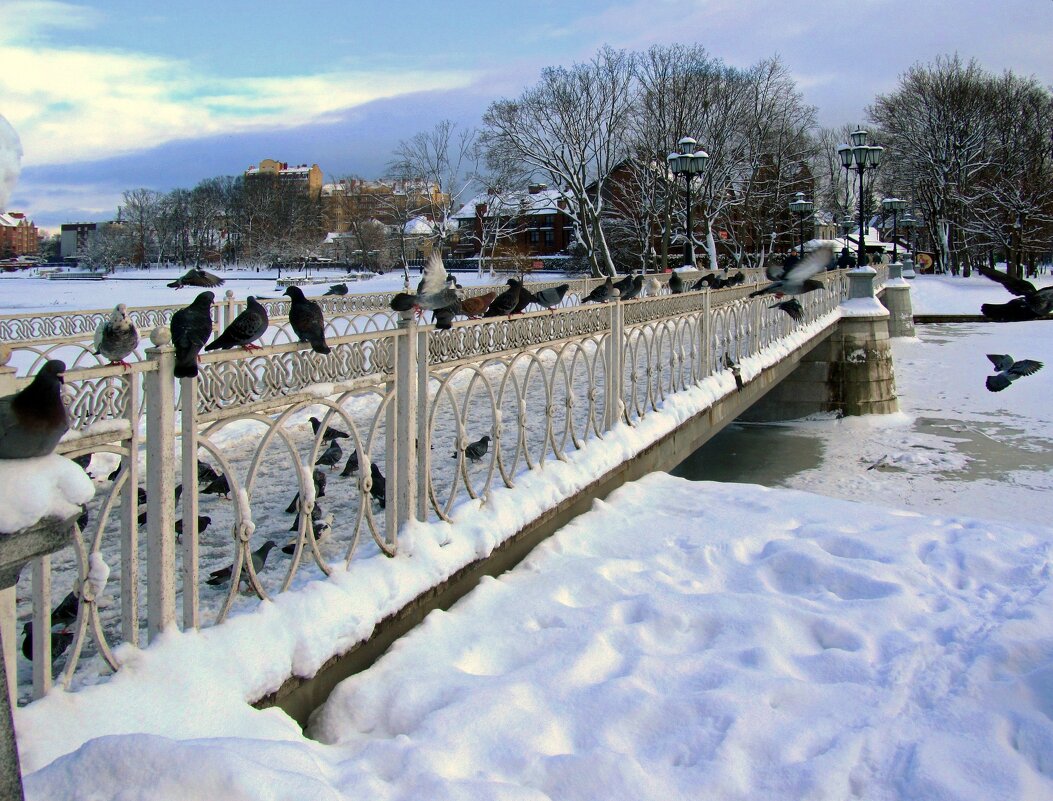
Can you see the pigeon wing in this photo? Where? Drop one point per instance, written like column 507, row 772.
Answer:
column 100, row 335
column 1025, row 367
column 1000, row 361
column 433, row 279
column 1016, row 286
column 996, row 383
column 808, row 266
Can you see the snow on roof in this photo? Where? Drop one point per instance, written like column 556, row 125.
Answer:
column 545, row 201
column 420, row 226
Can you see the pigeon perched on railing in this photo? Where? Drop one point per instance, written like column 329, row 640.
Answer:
column 652, row 287
column 526, row 297
column 552, row 297
column 305, row 317
column 191, row 327
column 197, row 277
column 259, row 561
column 707, row 281
column 1030, row 304
column 634, row 288
column 475, row 307
column 33, row 421
column 623, row 285
column 797, row 280
column 676, row 283
column 432, row 292
column 337, row 289
column 1009, row 371
column 601, row 293
column 505, row 303
column 476, row 450
column 331, row 455
column 116, row 336
column 244, row 329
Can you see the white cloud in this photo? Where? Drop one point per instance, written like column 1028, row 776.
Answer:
column 79, row 104
column 10, row 160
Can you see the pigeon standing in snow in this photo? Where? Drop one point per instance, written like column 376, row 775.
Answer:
column 116, row 336
column 378, row 488
column 197, row 277
column 217, row 486
column 244, row 329
column 259, row 561
column 331, row 456
column 1009, row 371
column 305, row 317
column 476, row 450
column 191, row 327
column 1030, row 303
column 352, row 465
column 60, row 641
column 330, row 432
column 33, row 421
column 550, row 298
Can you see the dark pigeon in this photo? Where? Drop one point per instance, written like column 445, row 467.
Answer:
column 322, row 525
column 316, row 515
column 82, row 521
column 707, row 281
column 82, row 461
column 1009, row 371
column 600, row 294
column 191, row 327
column 352, row 465
column 244, row 329
column 33, row 421
column 197, row 277
column 633, row 290
column 116, row 472
column 433, row 292
column 218, row 486
column 526, row 297
column 676, row 283
column 60, row 641
column 337, row 289
column 792, row 307
column 505, row 303
column 443, row 318
column 476, row 450
column 1030, row 303
column 550, row 298
column 331, row 455
column 206, row 474
column 330, row 432
column 305, row 317
column 66, row 612
column 319, row 492
column 379, row 487
column 259, row 561
column 623, row 285
column 116, row 336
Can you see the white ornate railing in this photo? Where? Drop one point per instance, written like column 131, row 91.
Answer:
column 409, row 399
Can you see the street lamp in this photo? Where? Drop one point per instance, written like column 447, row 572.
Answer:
column 801, row 207
column 688, row 163
column 895, row 205
column 860, row 156
column 911, row 223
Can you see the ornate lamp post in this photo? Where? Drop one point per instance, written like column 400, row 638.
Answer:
column 860, row 156
column 911, row 223
column 688, row 163
column 895, row 205
column 801, row 207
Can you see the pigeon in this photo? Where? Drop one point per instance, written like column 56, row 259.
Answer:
column 1030, row 303
column 707, row 281
column 197, row 277
column 33, row 420
column 550, row 298
column 331, row 455
column 736, row 279
column 601, row 294
column 60, row 641
column 259, row 560
column 476, row 450
column 526, row 297
column 116, row 336
column 443, row 318
column 623, row 285
column 206, row 474
column 319, row 491
column 116, row 472
column 633, row 289
column 191, row 327
column 352, row 465
column 1009, row 371
column 736, row 371
column 82, row 461
column 337, row 289
column 316, row 514
column 378, row 489
column 652, row 287
column 305, row 317
column 474, row 307
column 82, row 521
column 330, row 432
column 66, row 612
column 792, row 307
column 505, row 303
column 676, row 283
column 218, row 486
column 203, row 522
column 451, row 281
column 432, row 292
column 322, row 525
column 140, row 495
column 797, row 279
column 245, row 329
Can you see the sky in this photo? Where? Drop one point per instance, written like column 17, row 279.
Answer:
column 116, row 95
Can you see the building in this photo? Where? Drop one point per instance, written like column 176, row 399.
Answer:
column 18, row 235
column 531, row 223
column 391, row 202
column 74, row 239
column 309, row 179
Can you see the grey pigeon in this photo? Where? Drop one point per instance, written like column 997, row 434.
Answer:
column 191, row 327
column 379, row 487
column 244, row 329
column 197, row 277
column 550, row 298
column 505, row 303
column 322, row 525
column 1009, row 371
column 305, row 317
column 331, row 456
column 352, row 465
column 797, row 279
column 432, row 292
column 259, row 561
column 476, row 450
column 792, row 307
column 116, row 336
column 623, row 285
column 33, row 421
column 1030, row 303
column 330, row 432
column 676, row 283
column 600, row 294
column 337, row 289
column 633, row 290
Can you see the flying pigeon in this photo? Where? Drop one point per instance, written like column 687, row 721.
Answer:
column 550, row 298
column 676, row 283
column 1030, row 303
column 792, row 307
column 191, row 327
column 245, row 329
column 197, row 277
column 601, row 294
column 337, row 289
column 259, row 561
column 331, row 455
column 633, row 289
column 352, row 465
column 474, row 307
column 330, row 432
column 797, row 279
column 305, row 317
column 33, row 421
column 476, row 450
column 505, row 303
column 116, row 336
column 378, row 489
column 1009, row 371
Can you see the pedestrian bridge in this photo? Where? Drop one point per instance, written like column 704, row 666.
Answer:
column 543, row 386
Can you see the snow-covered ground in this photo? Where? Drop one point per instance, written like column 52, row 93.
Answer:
column 682, row 640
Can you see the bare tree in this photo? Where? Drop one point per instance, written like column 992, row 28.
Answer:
column 140, row 211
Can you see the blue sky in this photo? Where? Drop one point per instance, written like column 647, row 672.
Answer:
column 114, row 94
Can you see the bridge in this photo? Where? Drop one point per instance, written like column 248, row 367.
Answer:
column 580, row 399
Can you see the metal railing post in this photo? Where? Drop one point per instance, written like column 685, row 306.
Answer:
column 230, row 308
column 160, row 484
column 423, row 440
column 130, row 523
column 402, row 431
column 707, row 335
column 615, row 359
column 189, row 501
